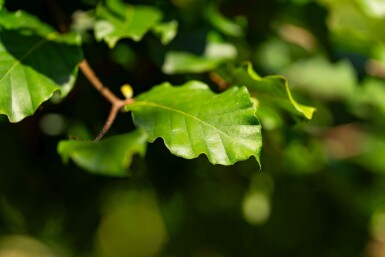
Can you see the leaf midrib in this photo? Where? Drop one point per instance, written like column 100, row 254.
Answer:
column 141, row 102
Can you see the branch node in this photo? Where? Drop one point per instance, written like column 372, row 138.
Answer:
column 117, row 103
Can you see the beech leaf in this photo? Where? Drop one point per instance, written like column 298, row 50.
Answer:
column 271, row 90
column 166, row 31
column 111, row 156
column 31, row 72
column 192, row 120
column 118, row 20
column 222, row 23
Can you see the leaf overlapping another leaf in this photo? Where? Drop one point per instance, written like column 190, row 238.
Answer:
column 31, row 71
column 192, row 120
column 270, row 91
column 117, row 20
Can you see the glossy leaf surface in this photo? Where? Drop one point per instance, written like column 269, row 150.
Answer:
column 111, row 156
column 269, row 91
column 118, row 20
column 31, row 72
column 192, row 120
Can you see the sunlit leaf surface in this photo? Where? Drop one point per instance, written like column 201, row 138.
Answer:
column 270, row 91
column 215, row 53
column 192, row 120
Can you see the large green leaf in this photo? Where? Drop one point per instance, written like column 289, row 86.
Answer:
column 35, row 62
column 192, row 120
column 271, row 91
column 118, row 20
column 111, row 156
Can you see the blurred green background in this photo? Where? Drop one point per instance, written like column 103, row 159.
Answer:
column 321, row 188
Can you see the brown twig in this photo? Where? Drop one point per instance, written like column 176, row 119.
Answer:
column 108, row 123
column 98, row 85
column 117, row 103
column 217, row 79
column 375, row 68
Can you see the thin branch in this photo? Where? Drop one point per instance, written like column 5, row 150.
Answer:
column 108, row 123
column 98, row 85
column 111, row 117
column 117, row 103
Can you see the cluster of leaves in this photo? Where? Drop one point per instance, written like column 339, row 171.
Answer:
column 191, row 119
column 321, row 177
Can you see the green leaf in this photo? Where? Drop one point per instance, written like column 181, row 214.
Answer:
column 215, row 53
column 222, row 23
column 183, row 62
column 31, row 72
column 166, row 31
column 192, row 120
column 270, row 91
column 360, row 20
column 111, row 156
column 118, row 20
column 368, row 99
column 1, row 3
column 322, row 78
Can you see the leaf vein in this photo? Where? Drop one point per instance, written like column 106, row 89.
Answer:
column 152, row 104
column 28, row 53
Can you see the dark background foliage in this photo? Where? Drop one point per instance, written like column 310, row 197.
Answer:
column 320, row 189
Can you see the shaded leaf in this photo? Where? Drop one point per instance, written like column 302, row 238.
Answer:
column 166, row 31
column 31, row 72
column 118, row 20
column 368, row 99
column 111, row 156
column 222, row 23
column 372, row 157
column 357, row 20
column 270, row 91
column 322, row 78
column 192, row 120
